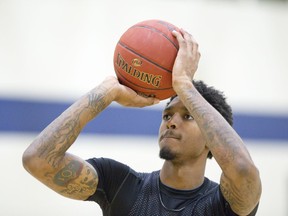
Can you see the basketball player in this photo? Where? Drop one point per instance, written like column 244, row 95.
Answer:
column 196, row 125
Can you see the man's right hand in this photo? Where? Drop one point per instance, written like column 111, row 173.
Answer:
column 125, row 95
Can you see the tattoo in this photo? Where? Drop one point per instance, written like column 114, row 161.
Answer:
column 61, row 133
column 227, row 193
column 74, row 179
column 87, row 184
column 57, row 140
column 218, row 135
column 239, row 199
column 68, row 173
column 97, row 102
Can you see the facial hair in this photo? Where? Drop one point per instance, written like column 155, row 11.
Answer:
column 166, row 154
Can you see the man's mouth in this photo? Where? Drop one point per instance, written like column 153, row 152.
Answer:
column 170, row 134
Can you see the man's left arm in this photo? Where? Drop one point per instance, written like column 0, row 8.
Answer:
column 240, row 181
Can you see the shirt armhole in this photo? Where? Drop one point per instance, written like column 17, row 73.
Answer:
column 111, row 174
column 118, row 186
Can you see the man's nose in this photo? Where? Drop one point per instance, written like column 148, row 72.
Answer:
column 174, row 121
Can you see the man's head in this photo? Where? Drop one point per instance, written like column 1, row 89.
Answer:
column 177, row 123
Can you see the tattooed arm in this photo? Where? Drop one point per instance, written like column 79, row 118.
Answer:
column 47, row 158
column 240, row 182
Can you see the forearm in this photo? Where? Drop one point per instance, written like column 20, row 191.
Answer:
column 221, row 138
column 56, row 138
column 52, row 143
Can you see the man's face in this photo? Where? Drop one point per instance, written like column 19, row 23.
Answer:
column 180, row 138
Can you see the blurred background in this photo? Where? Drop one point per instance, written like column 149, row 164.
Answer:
column 52, row 52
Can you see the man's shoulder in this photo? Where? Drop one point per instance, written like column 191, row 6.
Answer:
column 113, row 167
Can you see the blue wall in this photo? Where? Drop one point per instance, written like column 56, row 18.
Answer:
column 34, row 116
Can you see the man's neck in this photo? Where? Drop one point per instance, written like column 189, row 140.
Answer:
column 185, row 176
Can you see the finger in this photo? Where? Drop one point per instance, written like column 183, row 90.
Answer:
column 195, row 46
column 175, row 33
column 185, row 39
column 140, row 99
column 188, row 41
column 192, row 44
column 178, row 36
column 145, row 101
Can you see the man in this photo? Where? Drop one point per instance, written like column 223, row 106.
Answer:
column 191, row 130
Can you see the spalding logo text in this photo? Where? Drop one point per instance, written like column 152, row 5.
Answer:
column 144, row 77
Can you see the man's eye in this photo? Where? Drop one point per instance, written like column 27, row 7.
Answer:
column 166, row 117
column 188, row 117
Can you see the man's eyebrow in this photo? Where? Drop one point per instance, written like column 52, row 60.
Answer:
column 167, row 108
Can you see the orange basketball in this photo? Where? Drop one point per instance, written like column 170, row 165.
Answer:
column 144, row 58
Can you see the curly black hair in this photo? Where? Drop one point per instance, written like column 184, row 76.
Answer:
column 215, row 98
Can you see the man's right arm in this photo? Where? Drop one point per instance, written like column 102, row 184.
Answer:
column 47, row 158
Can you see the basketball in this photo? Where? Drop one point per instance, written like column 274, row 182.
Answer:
column 144, row 58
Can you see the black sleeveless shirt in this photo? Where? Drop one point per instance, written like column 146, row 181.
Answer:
column 122, row 191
